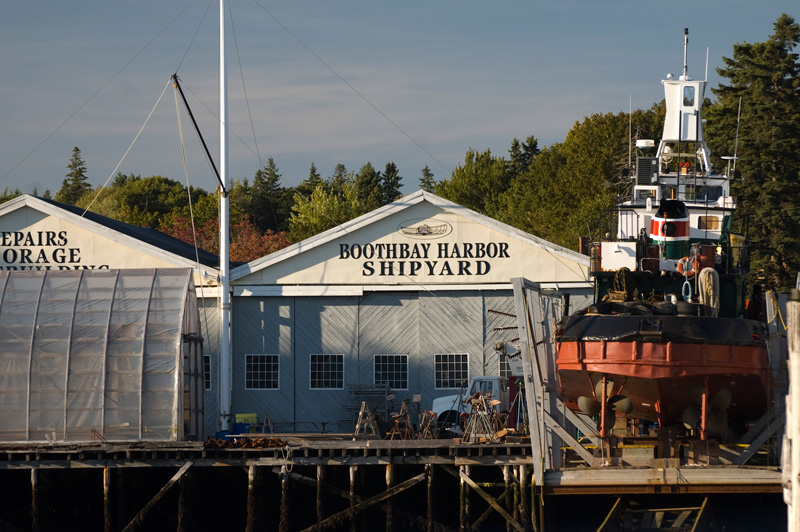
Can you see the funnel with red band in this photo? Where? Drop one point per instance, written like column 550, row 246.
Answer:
column 670, row 229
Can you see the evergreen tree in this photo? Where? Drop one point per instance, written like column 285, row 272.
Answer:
column 76, row 183
column 515, row 152
column 426, row 182
column 8, row 195
column 766, row 77
column 307, row 186
column 368, row 188
column 390, row 184
column 269, row 206
column 522, row 155
column 314, row 178
column 336, row 182
column 240, row 201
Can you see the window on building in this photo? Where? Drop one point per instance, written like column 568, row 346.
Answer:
column 207, row 371
column 261, row 372
column 327, row 372
column 710, row 223
column 391, row 370
column 451, row 370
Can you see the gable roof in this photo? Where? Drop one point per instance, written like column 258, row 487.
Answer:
column 397, row 207
column 148, row 239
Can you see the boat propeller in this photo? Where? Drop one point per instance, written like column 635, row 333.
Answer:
column 717, row 409
column 616, row 403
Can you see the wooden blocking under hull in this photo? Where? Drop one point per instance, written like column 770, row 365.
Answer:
column 668, row 446
column 702, row 452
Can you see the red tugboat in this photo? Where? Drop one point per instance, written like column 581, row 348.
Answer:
column 669, row 339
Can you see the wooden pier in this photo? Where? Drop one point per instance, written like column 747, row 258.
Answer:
column 308, row 482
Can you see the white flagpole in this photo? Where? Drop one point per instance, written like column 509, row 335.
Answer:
column 224, row 295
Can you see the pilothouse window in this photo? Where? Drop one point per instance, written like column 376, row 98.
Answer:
column 710, row 223
column 688, row 96
column 643, row 194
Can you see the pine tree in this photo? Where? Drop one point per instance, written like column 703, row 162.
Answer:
column 270, row 209
column 8, row 195
column 426, row 182
column 766, row 77
column 522, row 155
column 336, row 182
column 368, row 188
column 76, row 183
column 390, row 184
column 313, row 181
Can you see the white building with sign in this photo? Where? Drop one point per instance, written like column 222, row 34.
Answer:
column 40, row 234
column 412, row 296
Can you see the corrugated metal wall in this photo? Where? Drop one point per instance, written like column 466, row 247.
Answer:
column 419, row 324
column 209, row 329
column 324, row 325
column 264, row 325
column 388, row 325
column 449, row 322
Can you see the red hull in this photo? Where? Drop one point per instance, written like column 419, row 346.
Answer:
column 662, row 379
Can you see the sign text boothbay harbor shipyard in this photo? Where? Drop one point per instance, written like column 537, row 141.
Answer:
column 442, row 258
column 41, row 250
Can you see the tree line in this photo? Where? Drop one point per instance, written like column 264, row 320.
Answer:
column 560, row 192
column 265, row 215
column 568, row 190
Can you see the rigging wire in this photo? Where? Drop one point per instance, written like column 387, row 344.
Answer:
column 191, row 211
column 186, row 174
column 100, row 189
column 103, row 86
column 244, row 86
column 249, row 112
column 351, row 87
column 191, row 41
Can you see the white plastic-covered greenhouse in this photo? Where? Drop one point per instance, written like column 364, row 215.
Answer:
column 100, row 355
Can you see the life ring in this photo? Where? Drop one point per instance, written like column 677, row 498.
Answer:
column 686, row 267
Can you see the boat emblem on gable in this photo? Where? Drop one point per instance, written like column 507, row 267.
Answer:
column 425, row 228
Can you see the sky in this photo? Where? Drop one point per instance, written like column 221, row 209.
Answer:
column 351, row 81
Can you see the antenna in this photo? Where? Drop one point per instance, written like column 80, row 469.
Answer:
column 706, row 64
column 630, row 128
column 685, row 48
column 736, row 142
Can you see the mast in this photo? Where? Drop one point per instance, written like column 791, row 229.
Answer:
column 685, row 50
column 224, row 293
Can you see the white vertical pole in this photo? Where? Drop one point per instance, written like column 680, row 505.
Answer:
column 791, row 444
column 224, row 295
